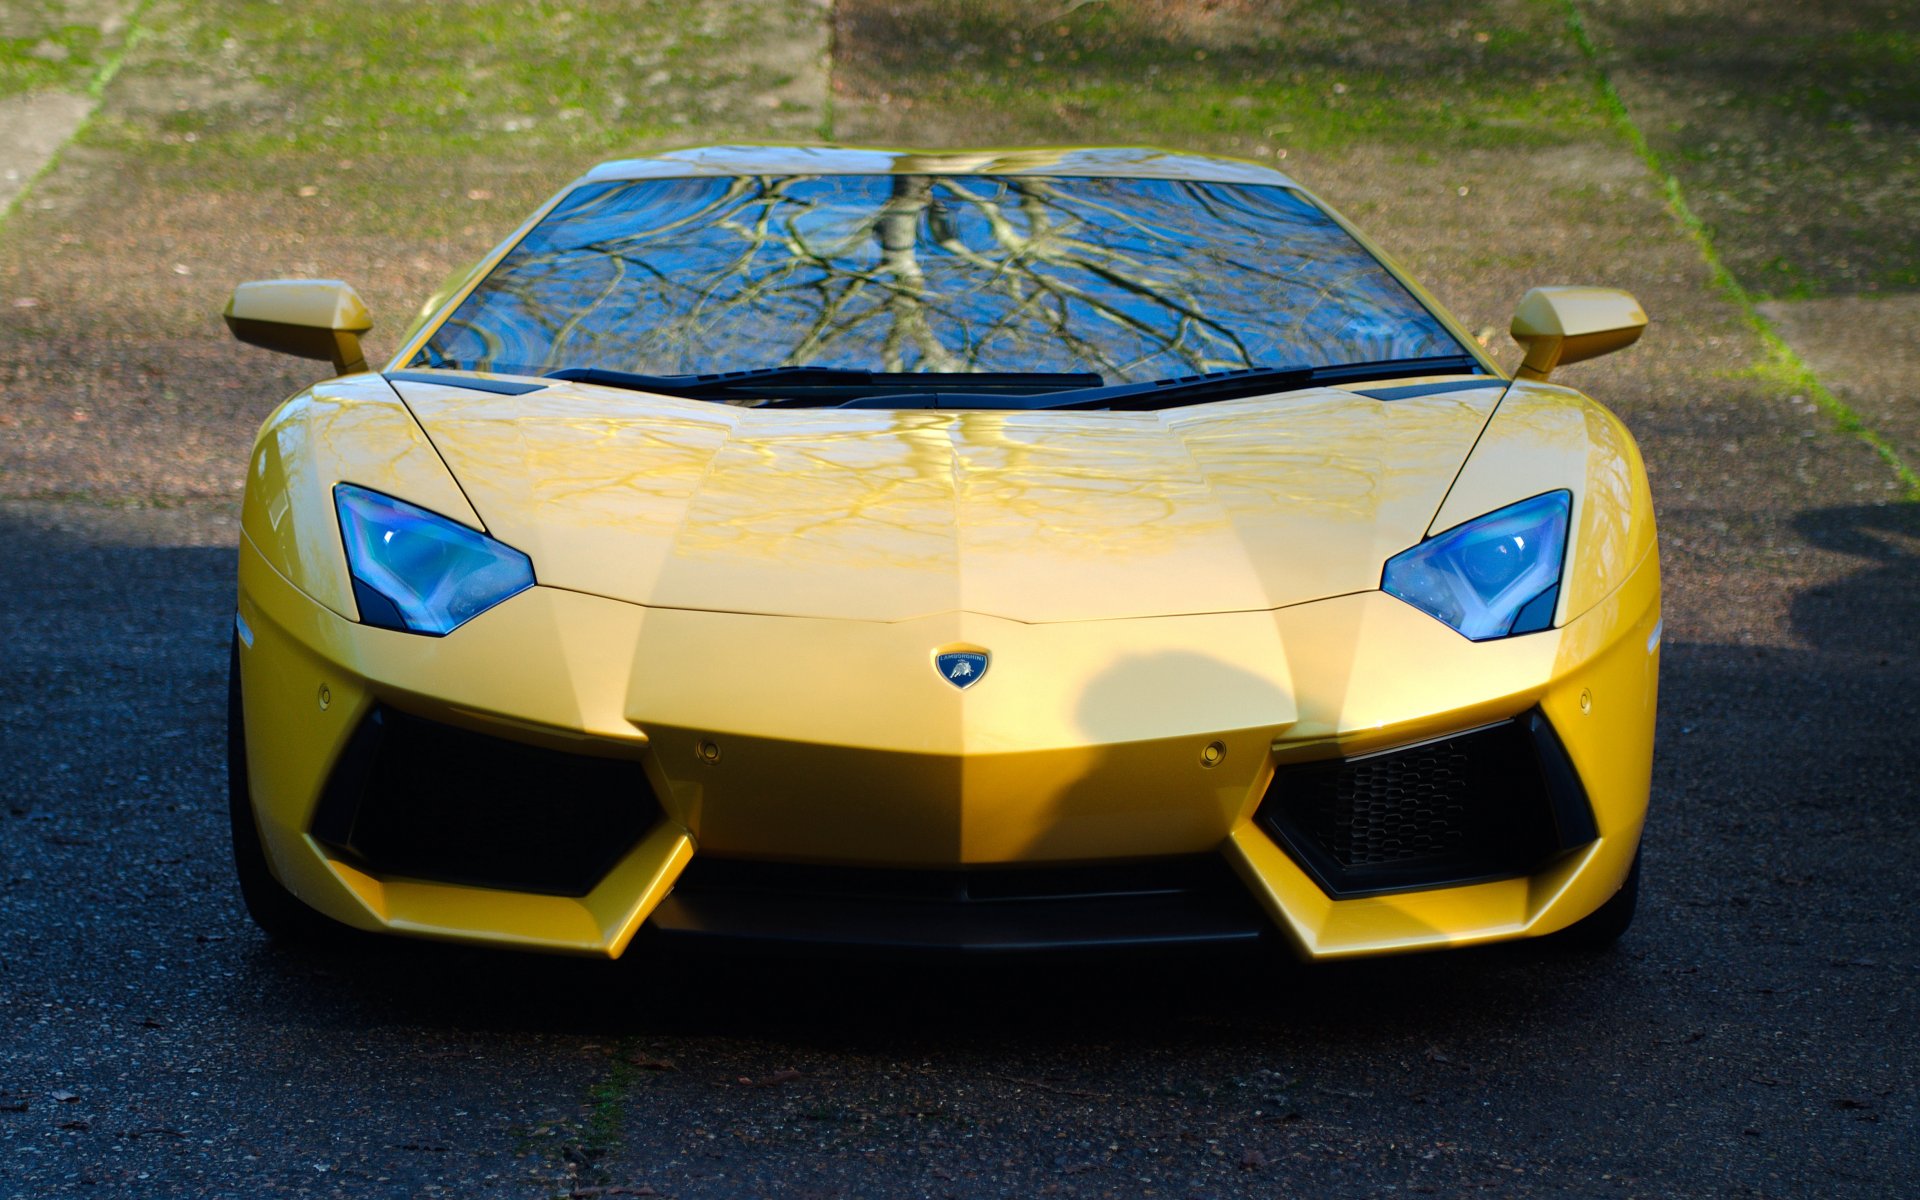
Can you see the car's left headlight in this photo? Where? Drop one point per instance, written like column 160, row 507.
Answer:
column 419, row 572
column 1493, row 576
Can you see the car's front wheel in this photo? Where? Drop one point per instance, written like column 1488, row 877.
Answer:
column 273, row 908
column 1603, row 926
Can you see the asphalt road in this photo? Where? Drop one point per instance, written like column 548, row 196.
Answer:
column 1753, row 1035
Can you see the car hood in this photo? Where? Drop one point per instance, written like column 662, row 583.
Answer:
column 888, row 515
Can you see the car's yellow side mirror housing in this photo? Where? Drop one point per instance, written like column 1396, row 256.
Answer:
column 313, row 318
column 1567, row 324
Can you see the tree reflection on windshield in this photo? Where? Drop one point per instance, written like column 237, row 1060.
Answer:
column 1136, row 279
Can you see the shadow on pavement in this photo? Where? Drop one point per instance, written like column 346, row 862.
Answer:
column 1875, row 610
column 857, row 998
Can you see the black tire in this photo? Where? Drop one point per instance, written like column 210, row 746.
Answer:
column 271, row 906
column 1603, row 927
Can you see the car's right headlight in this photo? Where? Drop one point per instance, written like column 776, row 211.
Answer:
column 1490, row 577
column 419, row 572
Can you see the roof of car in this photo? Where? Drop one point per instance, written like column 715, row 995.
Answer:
column 1137, row 161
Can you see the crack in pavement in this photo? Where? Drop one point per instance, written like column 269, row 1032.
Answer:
column 1782, row 363
column 37, row 126
column 1855, row 344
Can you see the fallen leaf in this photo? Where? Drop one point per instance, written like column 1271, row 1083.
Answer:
column 77, row 1125
column 651, row 1064
column 65, row 1097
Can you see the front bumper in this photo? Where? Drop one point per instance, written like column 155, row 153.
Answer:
column 835, row 744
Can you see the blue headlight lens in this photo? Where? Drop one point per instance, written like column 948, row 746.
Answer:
column 417, row 571
column 1493, row 576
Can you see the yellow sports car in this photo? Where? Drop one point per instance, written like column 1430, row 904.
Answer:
column 969, row 550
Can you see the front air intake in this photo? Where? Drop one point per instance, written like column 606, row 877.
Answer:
column 1492, row 803
column 413, row 798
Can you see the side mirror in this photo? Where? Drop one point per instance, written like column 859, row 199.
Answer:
column 313, row 318
column 1567, row 324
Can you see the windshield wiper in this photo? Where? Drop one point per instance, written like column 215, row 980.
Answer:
column 819, row 387
column 844, row 387
column 1188, row 389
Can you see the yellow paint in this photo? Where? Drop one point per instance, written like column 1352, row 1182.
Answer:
column 746, row 603
column 311, row 318
column 1545, row 437
column 889, row 515
column 1083, row 741
column 456, row 283
column 1571, row 324
column 601, row 922
column 342, row 431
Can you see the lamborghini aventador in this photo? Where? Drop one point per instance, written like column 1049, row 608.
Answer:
column 964, row 550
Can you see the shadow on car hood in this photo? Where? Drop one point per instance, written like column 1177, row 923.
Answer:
column 887, row 515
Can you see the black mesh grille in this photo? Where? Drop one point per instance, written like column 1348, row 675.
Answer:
column 1389, row 810
column 1492, row 803
column 422, row 800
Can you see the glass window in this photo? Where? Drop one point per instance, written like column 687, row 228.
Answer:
column 1136, row 279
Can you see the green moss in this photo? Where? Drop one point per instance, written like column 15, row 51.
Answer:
column 1318, row 113
column 64, row 57
column 1781, row 366
column 356, row 77
column 1780, row 279
column 1795, row 137
column 607, row 1102
column 1323, row 76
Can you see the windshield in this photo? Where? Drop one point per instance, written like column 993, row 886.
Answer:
column 1132, row 279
